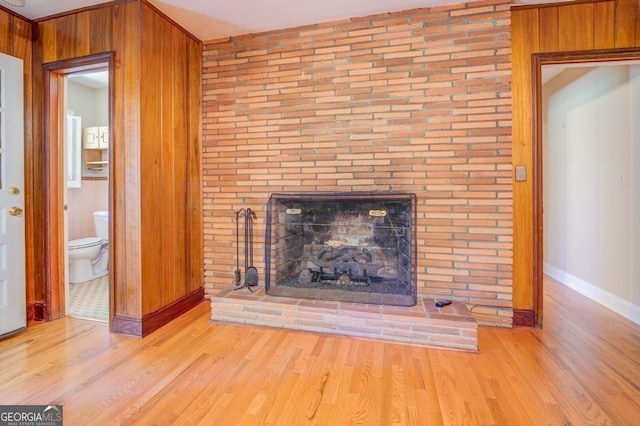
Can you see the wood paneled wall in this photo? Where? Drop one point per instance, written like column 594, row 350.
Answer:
column 156, row 252
column 586, row 27
column 170, row 161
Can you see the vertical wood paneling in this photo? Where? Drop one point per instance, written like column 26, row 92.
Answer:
column 37, row 164
column 47, row 40
column 6, row 32
column 582, row 27
column 194, row 231
column 165, row 159
column 100, row 25
column 168, row 225
column 549, row 27
column 603, row 30
column 575, row 27
column 637, row 23
column 525, row 41
column 181, row 140
column 625, row 23
column 117, row 256
column 155, row 131
column 130, row 168
column 83, row 34
column 154, row 200
column 166, row 156
column 66, row 37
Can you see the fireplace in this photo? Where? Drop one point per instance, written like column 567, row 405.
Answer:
column 347, row 247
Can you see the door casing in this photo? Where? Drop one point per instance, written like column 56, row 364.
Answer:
column 539, row 60
column 53, row 188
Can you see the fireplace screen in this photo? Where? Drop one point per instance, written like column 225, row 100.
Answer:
column 349, row 247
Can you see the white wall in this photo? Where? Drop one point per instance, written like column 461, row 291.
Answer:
column 635, row 182
column 591, row 181
column 93, row 106
column 90, row 104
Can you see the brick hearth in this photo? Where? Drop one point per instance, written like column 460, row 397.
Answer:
column 424, row 324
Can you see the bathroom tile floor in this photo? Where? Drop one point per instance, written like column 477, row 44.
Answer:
column 90, row 299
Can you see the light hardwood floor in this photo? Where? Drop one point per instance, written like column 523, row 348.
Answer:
column 583, row 367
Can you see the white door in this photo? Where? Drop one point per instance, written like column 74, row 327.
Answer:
column 13, row 305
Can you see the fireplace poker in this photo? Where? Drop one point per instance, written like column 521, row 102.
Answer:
column 238, row 272
column 251, row 272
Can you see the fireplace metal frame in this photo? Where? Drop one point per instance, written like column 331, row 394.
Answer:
column 408, row 199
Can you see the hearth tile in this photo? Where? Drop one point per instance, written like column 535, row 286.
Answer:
column 324, row 304
column 264, row 310
column 360, row 329
column 450, row 327
column 304, row 315
column 449, row 319
column 405, row 316
column 221, row 293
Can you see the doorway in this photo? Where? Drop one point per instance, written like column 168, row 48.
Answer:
column 77, row 110
column 590, row 171
column 86, row 211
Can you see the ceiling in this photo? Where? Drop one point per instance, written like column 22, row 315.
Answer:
column 214, row 19
column 91, row 79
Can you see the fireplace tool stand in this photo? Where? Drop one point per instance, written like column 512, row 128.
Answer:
column 239, row 284
column 250, row 273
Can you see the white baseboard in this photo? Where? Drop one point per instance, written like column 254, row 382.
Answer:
column 603, row 297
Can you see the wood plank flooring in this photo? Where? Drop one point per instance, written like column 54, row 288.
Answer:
column 583, row 367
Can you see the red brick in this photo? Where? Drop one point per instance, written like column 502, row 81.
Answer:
column 417, row 101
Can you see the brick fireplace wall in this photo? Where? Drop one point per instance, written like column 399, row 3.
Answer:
column 416, row 101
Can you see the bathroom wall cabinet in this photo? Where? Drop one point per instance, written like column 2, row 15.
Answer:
column 95, row 137
column 95, row 141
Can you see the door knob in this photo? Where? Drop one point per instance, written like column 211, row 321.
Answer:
column 14, row 190
column 15, row 211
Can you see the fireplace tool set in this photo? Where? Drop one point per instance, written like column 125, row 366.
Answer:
column 250, row 271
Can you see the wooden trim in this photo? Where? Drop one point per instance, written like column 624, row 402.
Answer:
column 553, row 4
column 155, row 320
column 53, row 281
column 54, row 274
column 538, row 60
column 586, row 56
column 524, row 318
column 537, row 176
column 35, row 311
column 140, row 327
column 82, row 9
column 127, row 325
column 79, row 64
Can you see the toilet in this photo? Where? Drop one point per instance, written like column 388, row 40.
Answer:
column 88, row 257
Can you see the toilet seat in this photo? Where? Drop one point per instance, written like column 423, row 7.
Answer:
column 84, row 242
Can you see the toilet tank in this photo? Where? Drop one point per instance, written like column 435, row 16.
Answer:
column 101, row 221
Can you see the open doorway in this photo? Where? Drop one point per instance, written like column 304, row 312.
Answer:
column 87, row 194
column 587, row 160
column 591, row 171
column 78, row 99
